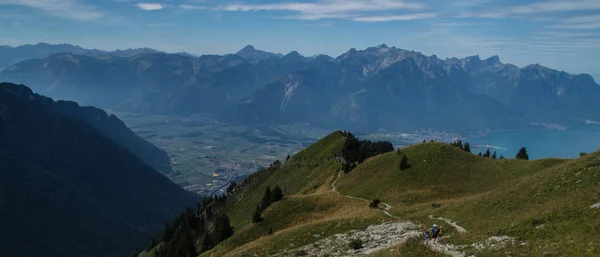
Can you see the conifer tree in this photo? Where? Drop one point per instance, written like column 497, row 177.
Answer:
column 522, row 155
column 256, row 217
column 404, row 163
column 494, row 155
column 207, row 243
column 266, row 201
column 276, row 194
column 467, row 147
column 487, row 153
column 167, row 233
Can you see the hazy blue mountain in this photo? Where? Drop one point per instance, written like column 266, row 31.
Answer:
column 11, row 55
column 69, row 190
column 379, row 87
column 251, row 53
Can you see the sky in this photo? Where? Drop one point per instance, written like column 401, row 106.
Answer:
column 560, row 34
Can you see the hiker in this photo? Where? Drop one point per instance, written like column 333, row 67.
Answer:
column 435, row 231
column 426, row 236
column 442, row 230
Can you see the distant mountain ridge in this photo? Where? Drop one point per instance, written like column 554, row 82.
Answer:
column 10, row 55
column 379, row 87
column 69, row 190
column 251, row 53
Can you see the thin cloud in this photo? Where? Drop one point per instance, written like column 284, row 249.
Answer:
column 191, row 7
column 576, row 26
column 156, row 25
column 584, row 22
column 328, row 9
column 150, row 6
column 324, row 24
column 67, row 9
column 386, row 18
column 556, row 6
column 541, row 7
column 16, row 24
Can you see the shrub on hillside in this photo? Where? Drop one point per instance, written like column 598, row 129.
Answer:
column 375, row 203
column 355, row 244
column 404, row 163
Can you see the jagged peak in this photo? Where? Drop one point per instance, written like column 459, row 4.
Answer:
column 294, row 54
column 473, row 58
column 247, row 48
column 494, row 58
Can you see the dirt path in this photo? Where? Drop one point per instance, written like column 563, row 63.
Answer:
column 452, row 223
column 438, row 247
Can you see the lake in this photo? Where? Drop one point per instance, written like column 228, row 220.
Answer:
column 540, row 143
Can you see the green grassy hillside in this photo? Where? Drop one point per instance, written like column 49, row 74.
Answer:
column 304, row 173
column 537, row 208
column 544, row 204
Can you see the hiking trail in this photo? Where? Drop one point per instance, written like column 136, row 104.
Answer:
column 438, row 247
column 452, row 223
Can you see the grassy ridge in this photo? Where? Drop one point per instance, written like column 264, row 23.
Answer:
column 439, row 171
column 304, row 173
column 490, row 197
column 545, row 203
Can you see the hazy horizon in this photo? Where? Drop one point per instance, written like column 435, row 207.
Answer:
column 552, row 33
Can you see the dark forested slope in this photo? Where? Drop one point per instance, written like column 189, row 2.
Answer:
column 69, row 190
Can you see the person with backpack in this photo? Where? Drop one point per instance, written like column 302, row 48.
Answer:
column 442, row 231
column 435, row 232
column 426, row 236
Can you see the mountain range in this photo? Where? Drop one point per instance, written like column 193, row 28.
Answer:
column 10, row 55
column 68, row 188
column 377, row 88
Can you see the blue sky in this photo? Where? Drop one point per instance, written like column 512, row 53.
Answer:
column 561, row 34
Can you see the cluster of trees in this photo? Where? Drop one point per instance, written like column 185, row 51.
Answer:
column 490, row 155
column 522, row 155
column 195, row 232
column 270, row 197
column 466, row 146
column 359, row 150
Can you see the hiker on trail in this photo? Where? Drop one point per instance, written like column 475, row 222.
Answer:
column 426, row 236
column 435, row 232
column 442, row 231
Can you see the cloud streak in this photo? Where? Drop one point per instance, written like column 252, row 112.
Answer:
column 386, row 18
column 191, row 7
column 337, row 9
column 541, row 7
column 150, row 6
column 67, row 9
